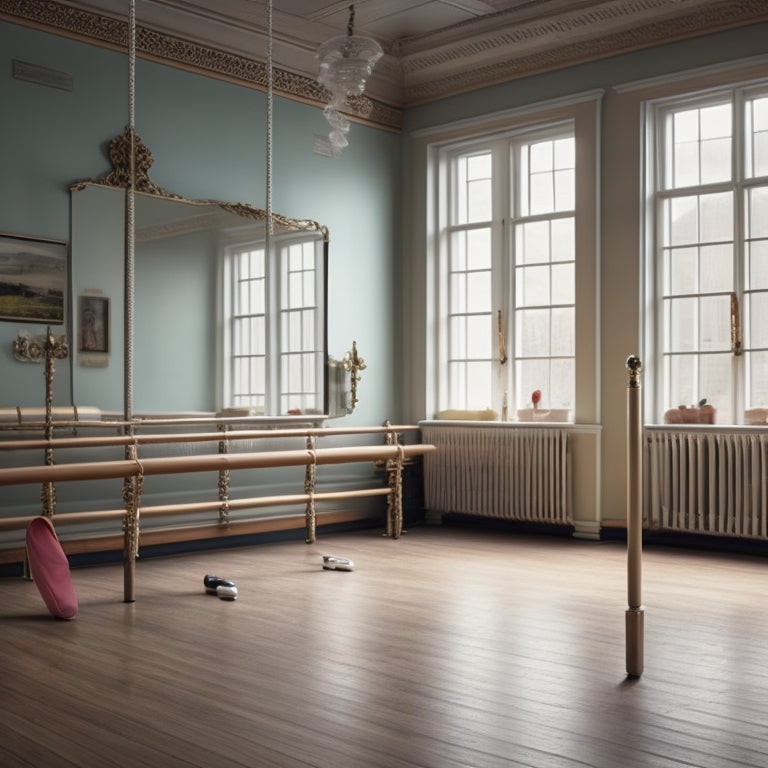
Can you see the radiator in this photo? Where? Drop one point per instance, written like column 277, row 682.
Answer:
column 513, row 473
column 706, row 482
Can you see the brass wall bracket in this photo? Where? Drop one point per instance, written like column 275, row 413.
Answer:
column 31, row 349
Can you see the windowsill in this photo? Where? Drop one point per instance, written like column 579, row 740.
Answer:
column 723, row 428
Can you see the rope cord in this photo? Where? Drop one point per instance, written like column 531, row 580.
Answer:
column 130, row 222
column 270, row 83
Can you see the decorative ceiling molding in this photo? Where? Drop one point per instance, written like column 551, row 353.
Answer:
column 113, row 33
column 436, row 70
column 525, row 38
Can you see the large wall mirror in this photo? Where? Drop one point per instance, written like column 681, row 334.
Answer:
column 225, row 319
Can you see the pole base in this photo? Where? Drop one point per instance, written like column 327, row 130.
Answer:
column 634, row 631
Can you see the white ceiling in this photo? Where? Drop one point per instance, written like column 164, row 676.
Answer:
column 433, row 48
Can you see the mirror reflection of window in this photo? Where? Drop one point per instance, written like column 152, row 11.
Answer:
column 271, row 315
column 255, row 341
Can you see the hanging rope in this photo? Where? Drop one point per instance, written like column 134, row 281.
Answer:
column 130, row 220
column 270, row 79
column 310, row 484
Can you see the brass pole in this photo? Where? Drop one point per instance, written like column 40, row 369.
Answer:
column 634, row 614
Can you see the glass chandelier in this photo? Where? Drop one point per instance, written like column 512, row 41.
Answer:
column 346, row 63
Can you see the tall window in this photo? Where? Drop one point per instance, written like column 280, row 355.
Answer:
column 708, row 182
column 507, row 259
column 273, row 328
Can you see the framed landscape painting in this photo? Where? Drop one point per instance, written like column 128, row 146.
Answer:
column 33, row 279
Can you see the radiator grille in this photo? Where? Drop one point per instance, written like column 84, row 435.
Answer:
column 502, row 472
column 707, row 482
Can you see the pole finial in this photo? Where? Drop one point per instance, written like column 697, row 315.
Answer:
column 634, row 366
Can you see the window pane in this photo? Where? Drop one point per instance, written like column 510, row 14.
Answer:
column 533, row 375
column 563, row 284
column 562, row 239
column 532, row 331
column 542, row 193
column 680, row 380
column 757, row 137
column 757, row 364
column 478, row 291
column 565, row 190
column 716, row 217
column 470, row 384
column 715, row 161
column 542, row 158
column 533, row 243
column 715, row 323
column 681, row 325
column 758, row 212
column 471, row 249
column 681, row 270
column 473, row 189
column 457, row 337
column 716, row 268
column 561, row 382
column 756, row 308
column 479, row 336
column 532, row 286
column 682, row 221
column 715, row 376
column 757, row 260
column 458, row 288
column 563, row 343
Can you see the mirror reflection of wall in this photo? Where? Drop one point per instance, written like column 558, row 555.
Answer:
column 218, row 323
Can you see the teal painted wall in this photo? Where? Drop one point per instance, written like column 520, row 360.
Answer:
column 208, row 139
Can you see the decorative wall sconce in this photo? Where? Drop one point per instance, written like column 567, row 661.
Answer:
column 31, row 349
column 346, row 63
column 354, row 364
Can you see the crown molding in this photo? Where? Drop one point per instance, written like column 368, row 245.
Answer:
column 112, row 33
column 528, row 39
column 451, row 62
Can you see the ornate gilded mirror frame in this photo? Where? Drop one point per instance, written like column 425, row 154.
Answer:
column 128, row 149
column 120, row 177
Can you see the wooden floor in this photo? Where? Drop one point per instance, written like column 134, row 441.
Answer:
column 448, row 647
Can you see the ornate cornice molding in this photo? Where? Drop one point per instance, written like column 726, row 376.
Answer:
column 531, row 38
column 113, row 33
column 438, row 68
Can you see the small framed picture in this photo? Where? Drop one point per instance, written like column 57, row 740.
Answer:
column 33, row 279
column 94, row 324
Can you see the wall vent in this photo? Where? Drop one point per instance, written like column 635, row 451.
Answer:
column 33, row 73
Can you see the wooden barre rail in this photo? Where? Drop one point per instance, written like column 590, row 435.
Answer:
column 132, row 471
column 161, row 510
column 214, row 462
column 191, row 437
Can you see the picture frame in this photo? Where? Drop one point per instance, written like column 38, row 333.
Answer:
column 33, row 279
column 93, row 326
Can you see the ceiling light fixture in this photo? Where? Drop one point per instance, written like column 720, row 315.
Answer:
column 346, row 63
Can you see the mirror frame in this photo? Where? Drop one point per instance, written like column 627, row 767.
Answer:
column 131, row 159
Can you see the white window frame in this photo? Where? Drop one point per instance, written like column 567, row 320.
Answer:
column 278, row 400
column 658, row 396
column 583, row 110
column 506, row 214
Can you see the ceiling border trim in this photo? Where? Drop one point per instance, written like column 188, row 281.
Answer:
column 728, row 15
column 110, row 32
